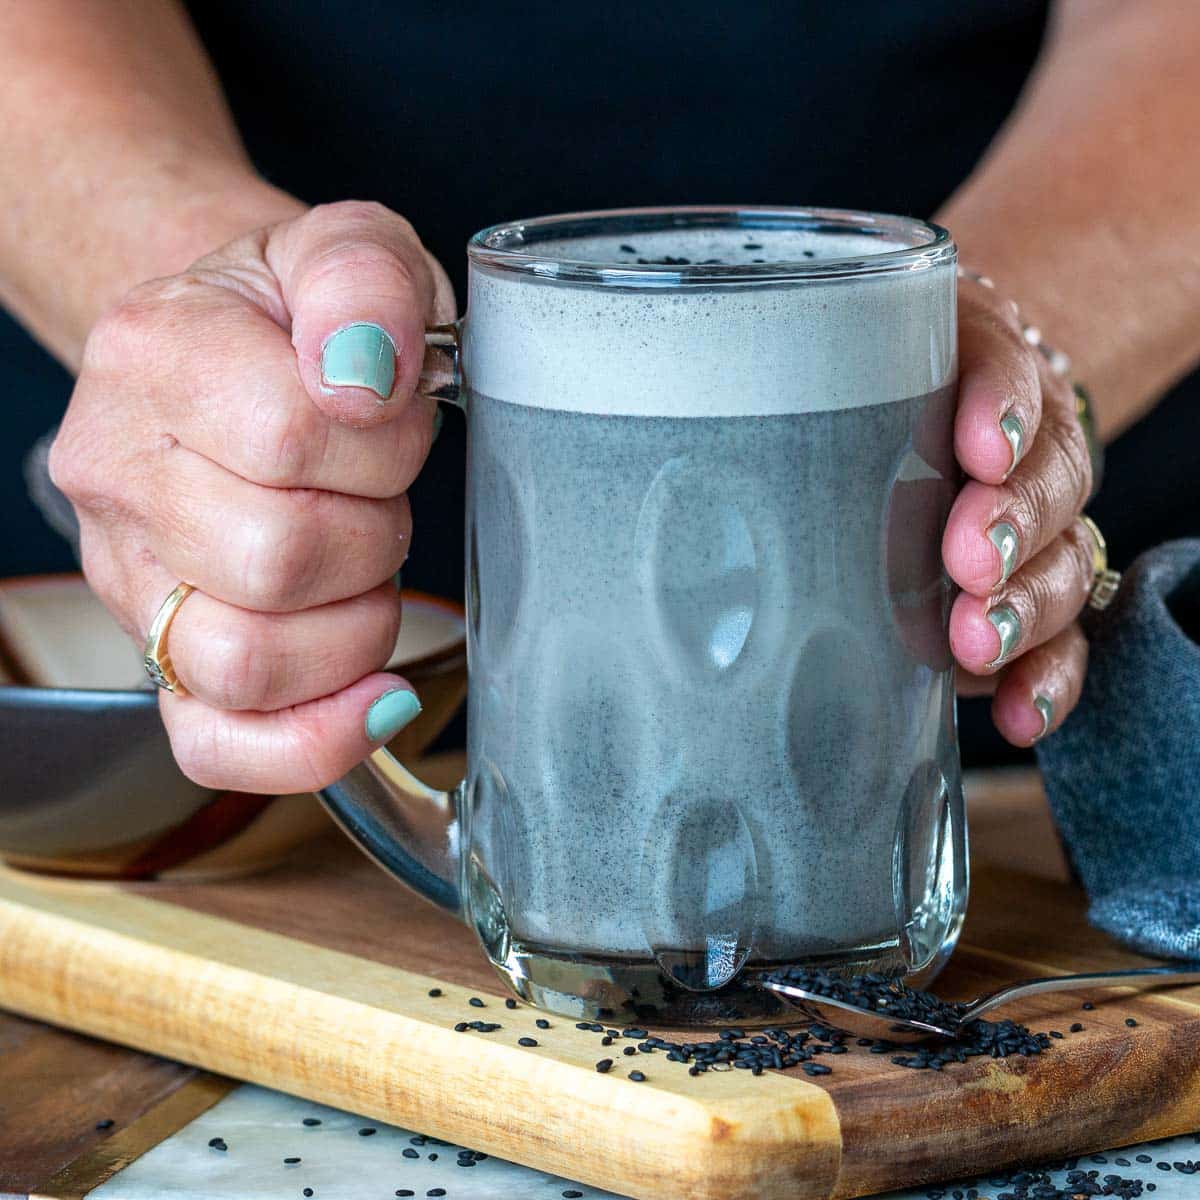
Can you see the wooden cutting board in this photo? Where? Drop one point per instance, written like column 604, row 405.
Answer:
column 314, row 979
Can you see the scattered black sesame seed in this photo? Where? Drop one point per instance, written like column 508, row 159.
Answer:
column 311, row 1121
column 571, row 1194
column 290, row 1162
column 584, row 1025
column 1131, row 1022
column 435, row 992
column 475, row 1002
column 1144, row 1158
column 626, row 248
column 637, row 1076
column 461, row 1027
column 542, row 1023
column 629, row 1051
column 432, row 1157
column 810, row 254
column 606, row 1040
column 367, row 1131
column 405, row 1192
column 1054, row 1033
column 526, row 1041
column 1087, row 1006
column 436, row 1192
column 752, row 245
column 107, row 1123
column 217, row 1143
column 1076, row 1028
column 604, row 1066
column 634, row 1032
column 408, row 1152
column 1122, row 1162
column 307, row 1192
column 510, row 1002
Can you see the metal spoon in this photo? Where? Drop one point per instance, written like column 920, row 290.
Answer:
column 864, row 1022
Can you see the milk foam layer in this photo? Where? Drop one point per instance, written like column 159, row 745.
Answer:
column 710, row 350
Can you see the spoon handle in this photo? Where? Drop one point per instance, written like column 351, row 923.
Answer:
column 1189, row 973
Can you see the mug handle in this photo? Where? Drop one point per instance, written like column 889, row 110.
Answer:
column 409, row 829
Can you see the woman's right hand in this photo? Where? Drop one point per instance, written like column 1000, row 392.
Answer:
column 250, row 427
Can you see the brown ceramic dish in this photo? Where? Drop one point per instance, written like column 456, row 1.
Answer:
column 87, row 782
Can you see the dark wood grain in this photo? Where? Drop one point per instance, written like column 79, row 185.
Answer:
column 55, row 1086
column 1106, row 1085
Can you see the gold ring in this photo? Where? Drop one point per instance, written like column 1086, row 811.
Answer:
column 1104, row 581
column 155, row 658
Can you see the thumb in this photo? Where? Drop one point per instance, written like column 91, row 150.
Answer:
column 360, row 289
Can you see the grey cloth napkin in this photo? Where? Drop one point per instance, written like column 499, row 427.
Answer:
column 1123, row 771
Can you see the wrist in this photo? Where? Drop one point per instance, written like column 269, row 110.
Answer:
column 156, row 223
column 213, row 211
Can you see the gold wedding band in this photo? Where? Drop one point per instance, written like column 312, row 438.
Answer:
column 155, row 658
column 1104, row 581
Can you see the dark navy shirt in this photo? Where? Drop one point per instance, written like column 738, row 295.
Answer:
column 461, row 115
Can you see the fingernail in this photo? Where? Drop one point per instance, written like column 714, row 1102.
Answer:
column 1008, row 626
column 1004, row 537
column 437, row 423
column 360, row 355
column 1014, row 431
column 1045, row 707
column 391, row 713
column 398, row 580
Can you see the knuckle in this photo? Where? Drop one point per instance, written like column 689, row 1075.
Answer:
column 359, row 218
column 1032, row 502
column 121, row 336
column 277, row 555
column 351, row 212
column 69, row 469
column 198, row 748
column 279, row 444
column 1072, row 452
column 237, row 672
column 316, row 763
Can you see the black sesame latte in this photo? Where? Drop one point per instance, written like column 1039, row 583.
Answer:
column 711, row 713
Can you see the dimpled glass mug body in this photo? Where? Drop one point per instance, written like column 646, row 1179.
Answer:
column 711, row 706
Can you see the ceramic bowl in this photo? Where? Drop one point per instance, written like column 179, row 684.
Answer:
column 87, row 782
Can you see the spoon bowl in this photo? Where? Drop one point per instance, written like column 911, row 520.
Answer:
column 853, row 1019
column 860, row 1021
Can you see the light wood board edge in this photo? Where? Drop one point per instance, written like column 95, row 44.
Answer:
column 355, row 1034
column 154, row 1126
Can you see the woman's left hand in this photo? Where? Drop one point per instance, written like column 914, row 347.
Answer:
column 1014, row 542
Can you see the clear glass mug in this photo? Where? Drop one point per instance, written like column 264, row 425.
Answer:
column 711, row 710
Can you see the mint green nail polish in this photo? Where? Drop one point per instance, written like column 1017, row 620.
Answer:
column 391, row 713
column 360, row 355
column 1004, row 537
column 1014, row 431
column 1045, row 707
column 1008, row 626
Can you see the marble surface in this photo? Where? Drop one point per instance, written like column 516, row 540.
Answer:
column 261, row 1128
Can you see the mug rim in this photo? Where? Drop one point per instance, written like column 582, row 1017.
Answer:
column 508, row 246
